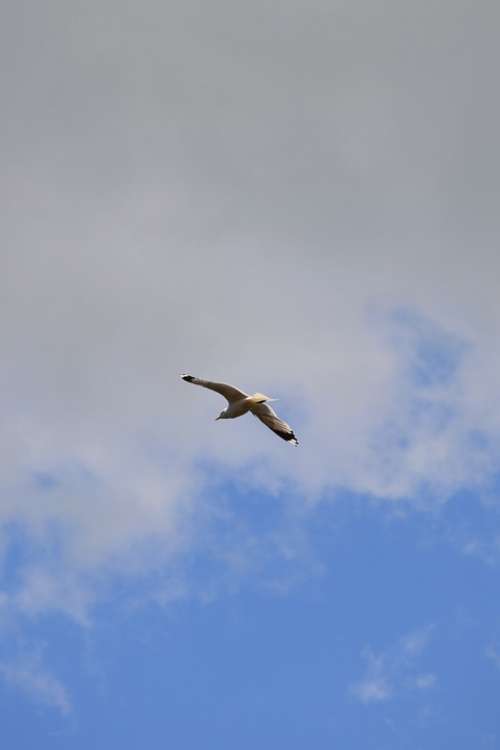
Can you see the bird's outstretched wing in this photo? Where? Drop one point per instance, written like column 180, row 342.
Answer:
column 268, row 416
column 228, row 391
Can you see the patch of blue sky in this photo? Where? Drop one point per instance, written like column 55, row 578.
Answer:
column 45, row 481
column 432, row 355
column 246, row 667
column 26, row 543
column 473, row 523
column 428, row 364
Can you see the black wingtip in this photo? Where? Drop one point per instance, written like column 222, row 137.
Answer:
column 187, row 378
column 288, row 436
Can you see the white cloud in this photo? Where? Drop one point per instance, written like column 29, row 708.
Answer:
column 485, row 546
column 375, row 686
column 425, row 681
column 415, row 642
column 372, row 690
column 30, row 677
column 394, row 670
column 493, row 654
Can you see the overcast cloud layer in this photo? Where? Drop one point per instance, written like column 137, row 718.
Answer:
column 300, row 198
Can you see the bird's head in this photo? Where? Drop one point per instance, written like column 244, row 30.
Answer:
column 222, row 415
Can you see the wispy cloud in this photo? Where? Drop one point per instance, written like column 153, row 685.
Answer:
column 395, row 670
column 29, row 676
column 375, row 686
column 425, row 681
column 493, row 654
column 485, row 547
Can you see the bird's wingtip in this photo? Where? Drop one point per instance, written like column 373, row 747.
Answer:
column 187, row 378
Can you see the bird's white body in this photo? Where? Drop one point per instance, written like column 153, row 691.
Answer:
column 244, row 405
column 239, row 403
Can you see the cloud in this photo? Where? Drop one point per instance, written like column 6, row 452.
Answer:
column 301, row 207
column 31, row 678
column 493, row 654
column 415, row 642
column 395, row 670
column 375, row 686
column 425, row 681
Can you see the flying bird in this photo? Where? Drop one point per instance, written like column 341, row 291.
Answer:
column 240, row 403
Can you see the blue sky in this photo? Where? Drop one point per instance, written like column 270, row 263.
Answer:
column 299, row 199
column 388, row 640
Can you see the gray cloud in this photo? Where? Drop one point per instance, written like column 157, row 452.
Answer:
column 255, row 193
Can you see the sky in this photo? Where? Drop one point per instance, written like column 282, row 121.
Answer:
column 299, row 199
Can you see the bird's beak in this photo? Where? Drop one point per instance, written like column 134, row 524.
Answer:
column 216, row 418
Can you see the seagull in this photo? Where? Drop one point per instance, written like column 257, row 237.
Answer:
column 240, row 403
